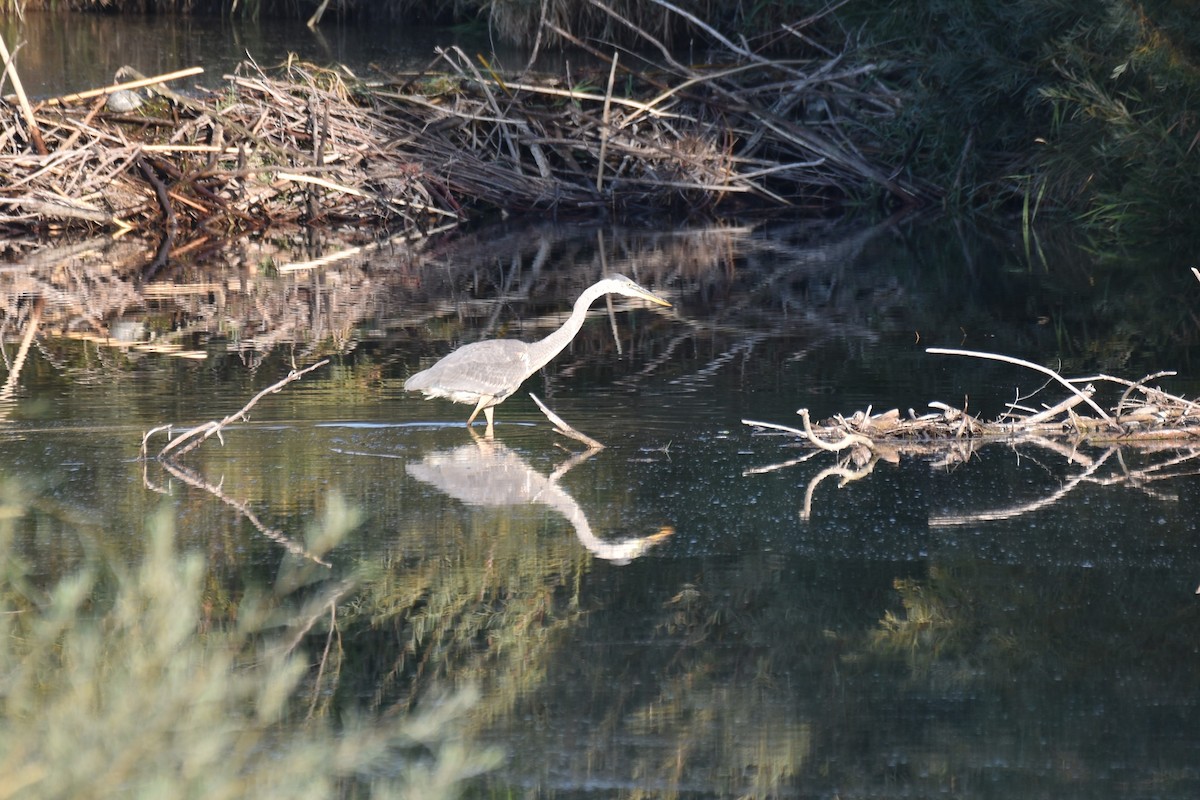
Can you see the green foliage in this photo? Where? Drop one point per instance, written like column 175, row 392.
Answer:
column 120, row 693
column 1090, row 108
column 1127, row 122
column 971, row 71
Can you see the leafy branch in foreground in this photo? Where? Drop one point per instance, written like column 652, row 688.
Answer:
column 131, row 698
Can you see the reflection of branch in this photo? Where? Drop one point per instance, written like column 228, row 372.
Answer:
column 1141, row 478
column 192, row 479
column 14, row 371
column 791, row 462
column 1138, row 478
column 202, row 432
column 844, row 473
column 1025, row 508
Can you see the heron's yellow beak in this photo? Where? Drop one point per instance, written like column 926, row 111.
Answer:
column 653, row 298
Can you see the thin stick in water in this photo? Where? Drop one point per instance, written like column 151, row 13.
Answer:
column 202, row 432
column 945, row 351
column 562, row 427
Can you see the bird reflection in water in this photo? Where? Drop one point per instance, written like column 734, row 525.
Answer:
column 487, row 473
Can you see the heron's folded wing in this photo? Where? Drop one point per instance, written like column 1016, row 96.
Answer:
column 494, row 368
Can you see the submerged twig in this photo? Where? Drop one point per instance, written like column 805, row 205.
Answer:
column 195, row 436
column 279, row 537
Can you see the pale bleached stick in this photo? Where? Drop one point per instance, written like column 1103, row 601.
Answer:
column 562, row 427
column 847, row 440
column 945, row 351
column 775, row 426
column 202, row 432
column 337, row 187
column 116, row 87
column 1057, row 409
column 604, row 119
column 26, row 110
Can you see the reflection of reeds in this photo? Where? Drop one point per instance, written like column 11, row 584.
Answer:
column 14, row 369
column 493, row 614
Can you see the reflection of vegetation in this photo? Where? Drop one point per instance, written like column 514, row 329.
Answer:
column 935, row 612
column 1084, row 663
column 118, row 691
column 710, row 691
column 490, row 614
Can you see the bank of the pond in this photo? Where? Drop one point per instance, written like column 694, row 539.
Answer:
column 317, row 147
column 1019, row 108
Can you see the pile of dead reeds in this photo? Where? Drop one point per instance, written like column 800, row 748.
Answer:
column 652, row 137
column 306, row 145
column 295, row 147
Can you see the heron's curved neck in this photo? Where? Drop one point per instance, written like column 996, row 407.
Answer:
column 542, row 352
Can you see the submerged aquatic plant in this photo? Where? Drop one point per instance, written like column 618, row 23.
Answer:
column 120, row 693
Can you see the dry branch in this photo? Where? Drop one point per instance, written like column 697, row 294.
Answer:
column 192, row 438
column 195, row 436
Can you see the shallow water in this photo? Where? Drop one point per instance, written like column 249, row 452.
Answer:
column 671, row 616
column 72, row 52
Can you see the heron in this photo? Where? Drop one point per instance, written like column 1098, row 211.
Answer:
column 486, row 373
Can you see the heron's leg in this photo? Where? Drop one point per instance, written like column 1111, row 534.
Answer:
column 480, row 407
column 487, row 413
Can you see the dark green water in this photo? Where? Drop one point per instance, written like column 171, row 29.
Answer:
column 892, row 641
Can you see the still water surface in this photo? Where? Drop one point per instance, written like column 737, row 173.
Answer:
column 72, row 52
column 668, row 617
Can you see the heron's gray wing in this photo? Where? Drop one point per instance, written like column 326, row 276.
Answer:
column 494, row 368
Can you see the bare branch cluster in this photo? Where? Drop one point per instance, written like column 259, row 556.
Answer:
column 305, row 145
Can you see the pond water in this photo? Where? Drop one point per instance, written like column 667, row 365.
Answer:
column 60, row 53
column 689, row 612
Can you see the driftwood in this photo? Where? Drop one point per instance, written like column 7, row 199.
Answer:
column 193, row 437
column 180, row 445
column 1163, row 427
column 1143, row 413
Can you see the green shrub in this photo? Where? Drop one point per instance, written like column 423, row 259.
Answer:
column 118, row 692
